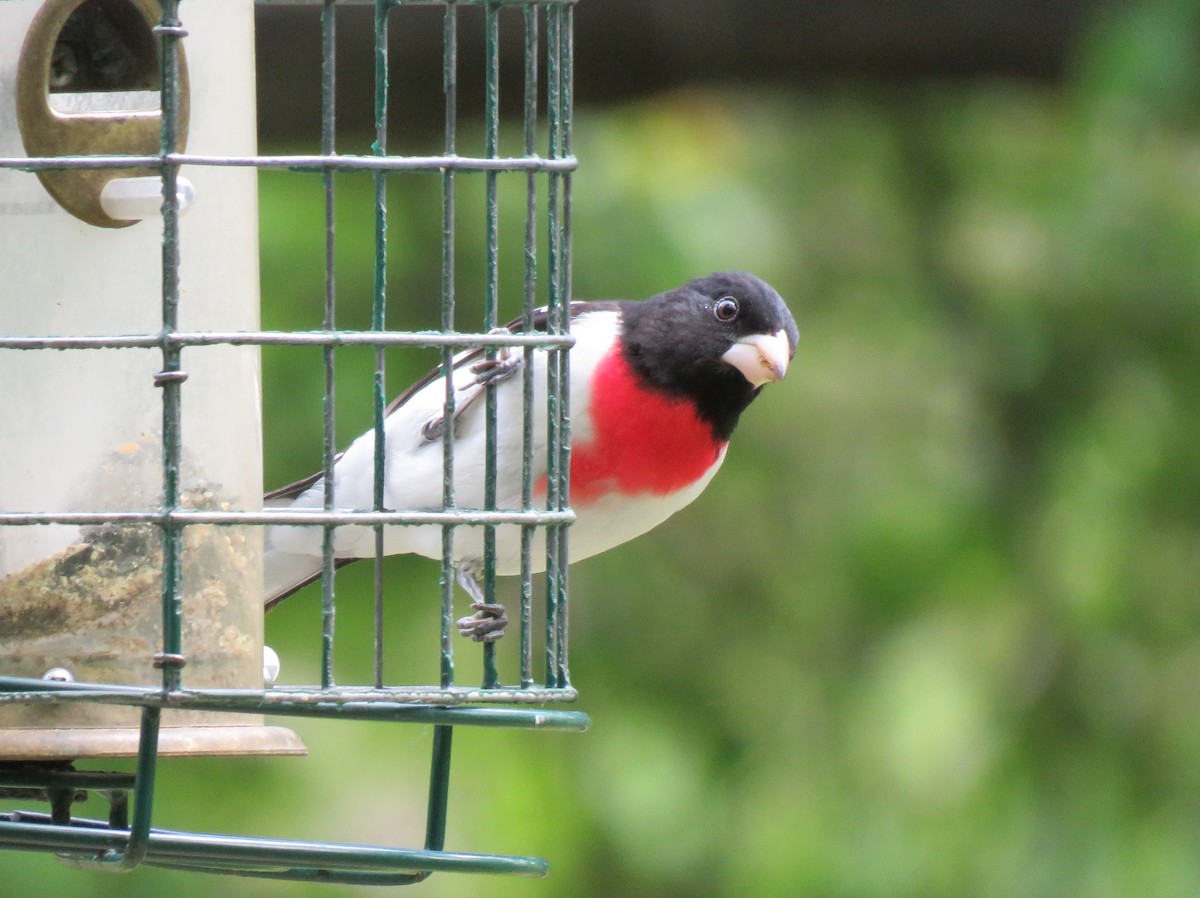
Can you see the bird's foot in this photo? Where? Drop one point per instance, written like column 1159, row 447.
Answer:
column 486, row 624
column 488, row 373
column 489, row 620
column 492, row 372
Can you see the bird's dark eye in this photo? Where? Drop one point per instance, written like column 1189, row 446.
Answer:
column 725, row 308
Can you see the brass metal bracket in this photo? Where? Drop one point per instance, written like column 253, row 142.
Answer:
column 79, row 61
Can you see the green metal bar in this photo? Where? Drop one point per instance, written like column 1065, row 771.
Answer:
column 171, row 377
column 328, row 398
column 283, row 858
column 486, row 718
column 450, row 86
column 307, row 874
column 528, row 532
column 296, row 163
column 556, row 462
column 426, row 339
column 490, row 311
column 439, row 789
column 304, row 874
column 435, row 827
column 378, row 308
column 60, row 805
column 133, row 852
column 566, row 33
column 346, row 703
column 359, row 877
column 439, row 786
column 143, row 796
column 313, row 518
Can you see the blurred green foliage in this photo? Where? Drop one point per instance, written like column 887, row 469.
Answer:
column 934, row 629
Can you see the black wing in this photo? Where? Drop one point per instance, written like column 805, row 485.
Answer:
column 540, row 316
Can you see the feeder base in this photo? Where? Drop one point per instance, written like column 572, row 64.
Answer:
column 69, row 744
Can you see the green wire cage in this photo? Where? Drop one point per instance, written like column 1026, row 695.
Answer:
column 119, row 125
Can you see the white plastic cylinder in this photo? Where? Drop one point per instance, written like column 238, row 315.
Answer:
column 136, row 199
column 81, row 428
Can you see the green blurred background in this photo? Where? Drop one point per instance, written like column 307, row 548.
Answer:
column 934, row 629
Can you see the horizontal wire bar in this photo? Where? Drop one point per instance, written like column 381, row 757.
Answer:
column 311, row 163
column 301, row 874
column 288, row 338
column 316, row 517
column 415, row 704
column 295, row 699
column 440, row 709
column 215, row 851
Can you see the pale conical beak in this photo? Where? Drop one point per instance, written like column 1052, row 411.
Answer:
column 761, row 358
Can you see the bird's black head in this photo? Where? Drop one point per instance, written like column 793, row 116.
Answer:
column 716, row 340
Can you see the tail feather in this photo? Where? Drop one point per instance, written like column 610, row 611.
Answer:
column 286, row 572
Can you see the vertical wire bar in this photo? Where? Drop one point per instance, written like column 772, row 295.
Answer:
column 527, row 432
column 135, row 849
column 439, row 788
column 450, row 87
column 439, row 777
column 554, row 435
column 567, row 73
column 170, row 31
column 329, row 436
column 490, row 316
column 378, row 308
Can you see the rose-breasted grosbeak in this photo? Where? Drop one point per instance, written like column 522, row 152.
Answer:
column 656, row 389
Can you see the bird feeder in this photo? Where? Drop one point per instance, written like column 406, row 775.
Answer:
column 82, row 445
column 131, row 517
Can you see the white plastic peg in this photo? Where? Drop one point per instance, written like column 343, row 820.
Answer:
column 270, row 666
column 134, row 199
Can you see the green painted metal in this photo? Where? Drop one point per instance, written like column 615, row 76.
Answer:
column 491, row 301
column 557, row 102
column 170, row 378
column 529, row 121
column 432, row 706
column 563, row 52
column 247, row 856
column 124, row 842
column 301, row 163
column 133, row 852
column 379, row 312
column 450, row 87
column 329, row 323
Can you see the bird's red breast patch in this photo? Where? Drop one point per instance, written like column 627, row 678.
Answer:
column 643, row 441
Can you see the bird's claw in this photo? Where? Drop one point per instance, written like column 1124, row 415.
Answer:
column 486, row 624
column 491, row 372
column 488, row 373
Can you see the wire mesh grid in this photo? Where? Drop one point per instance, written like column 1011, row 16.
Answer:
column 546, row 115
column 127, row 839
